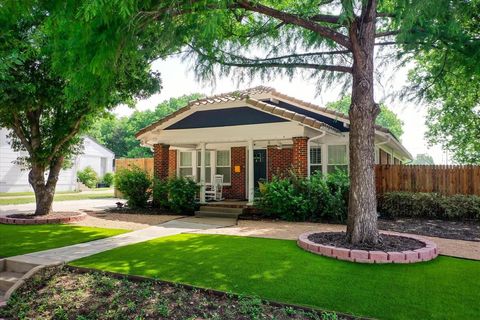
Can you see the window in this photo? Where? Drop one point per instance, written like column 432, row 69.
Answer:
column 315, row 159
column 208, row 167
column 223, row 165
column 337, row 158
column 185, row 165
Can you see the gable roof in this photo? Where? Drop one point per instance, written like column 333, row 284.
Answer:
column 304, row 118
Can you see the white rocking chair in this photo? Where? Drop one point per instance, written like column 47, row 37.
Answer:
column 214, row 193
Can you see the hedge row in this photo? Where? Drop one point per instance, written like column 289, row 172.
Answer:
column 429, row 205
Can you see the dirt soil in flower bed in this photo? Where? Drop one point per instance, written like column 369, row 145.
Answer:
column 387, row 243
column 458, row 230
column 52, row 215
column 63, row 293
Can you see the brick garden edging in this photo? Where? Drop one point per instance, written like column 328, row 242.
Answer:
column 429, row 252
column 44, row 220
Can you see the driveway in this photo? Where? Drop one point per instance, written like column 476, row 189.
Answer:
column 71, row 205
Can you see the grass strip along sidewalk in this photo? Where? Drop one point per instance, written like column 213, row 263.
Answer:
column 58, row 197
column 21, row 239
column 446, row 288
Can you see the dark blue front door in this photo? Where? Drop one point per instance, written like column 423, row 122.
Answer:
column 259, row 166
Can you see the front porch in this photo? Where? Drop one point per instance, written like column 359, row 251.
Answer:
column 242, row 165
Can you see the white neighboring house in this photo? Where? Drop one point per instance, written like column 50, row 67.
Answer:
column 14, row 178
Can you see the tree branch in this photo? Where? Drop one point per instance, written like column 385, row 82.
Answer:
column 299, row 55
column 387, row 33
column 65, row 139
column 325, row 18
column 296, row 20
column 20, row 132
column 334, row 68
column 270, row 62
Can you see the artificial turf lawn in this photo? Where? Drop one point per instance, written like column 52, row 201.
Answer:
column 445, row 288
column 21, row 239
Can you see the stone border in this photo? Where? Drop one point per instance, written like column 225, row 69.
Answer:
column 44, row 220
column 429, row 252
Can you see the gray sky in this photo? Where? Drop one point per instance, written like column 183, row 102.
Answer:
column 178, row 80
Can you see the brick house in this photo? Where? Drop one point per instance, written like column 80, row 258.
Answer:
column 254, row 134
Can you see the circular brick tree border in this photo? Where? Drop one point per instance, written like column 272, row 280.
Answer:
column 429, row 252
column 75, row 217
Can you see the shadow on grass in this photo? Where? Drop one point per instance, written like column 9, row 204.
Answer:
column 21, row 239
column 279, row 270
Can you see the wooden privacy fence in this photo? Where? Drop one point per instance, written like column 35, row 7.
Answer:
column 447, row 180
column 143, row 163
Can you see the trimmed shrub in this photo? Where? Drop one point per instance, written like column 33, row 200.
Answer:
column 88, row 177
column 175, row 194
column 160, row 193
column 429, row 205
column 108, row 179
column 135, row 185
column 306, row 199
column 181, row 195
column 460, row 207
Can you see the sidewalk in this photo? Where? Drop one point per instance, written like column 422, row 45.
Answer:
column 291, row 231
column 81, row 250
column 68, row 205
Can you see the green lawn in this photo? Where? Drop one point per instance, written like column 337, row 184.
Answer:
column 30, row 193
column 58, row 197
column 21, row 239
column 446, row 288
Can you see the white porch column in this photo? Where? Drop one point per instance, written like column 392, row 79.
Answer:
column 202, row 174
column 251, row 186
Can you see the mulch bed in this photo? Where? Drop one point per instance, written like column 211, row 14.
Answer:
column 458, row 230
column 63, row 293
column 54, row 217
column 388, row 242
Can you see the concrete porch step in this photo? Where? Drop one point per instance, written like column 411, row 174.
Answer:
column 8, row 279
column 228, row 204
column 220, row 209
column 216, row 214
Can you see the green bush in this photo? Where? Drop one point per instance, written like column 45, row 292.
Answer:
column 108, row 179
column 134, row 184
column 429, row 205
column 88, row 177
column 175, row 194
column 306, row 199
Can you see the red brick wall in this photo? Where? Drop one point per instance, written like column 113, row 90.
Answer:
column 299, row 157
column 161, row 160
column 237, row 188
column 279, row 161
column 172, row 163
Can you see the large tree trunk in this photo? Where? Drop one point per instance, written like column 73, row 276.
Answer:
column 362, row 210
column 44, row 191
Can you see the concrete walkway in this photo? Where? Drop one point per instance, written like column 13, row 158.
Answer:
column 81, row 250
column 291, row 231
column 69, row 205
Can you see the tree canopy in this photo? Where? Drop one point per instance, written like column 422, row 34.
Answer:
column 447, row 79
column 46, row 109
column 118, row 134
column 386, row 118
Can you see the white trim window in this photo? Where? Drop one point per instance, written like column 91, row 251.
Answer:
column 337, row 158
column 315, row 159
column 208, row 166
column 185, row 164
column 223, row 165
